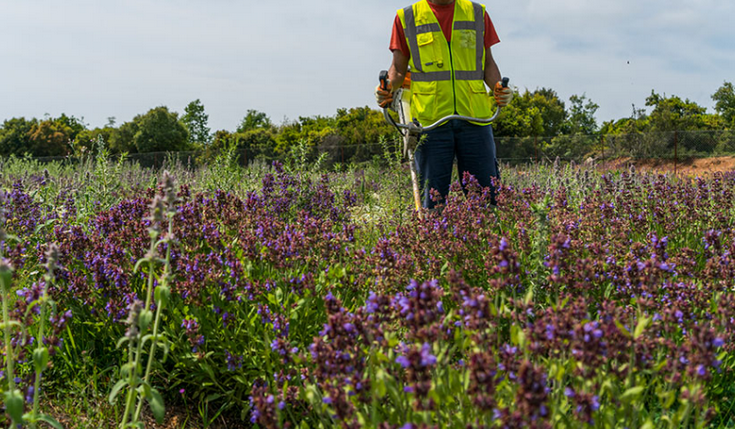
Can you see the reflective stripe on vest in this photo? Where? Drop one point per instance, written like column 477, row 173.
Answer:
column 447, row 77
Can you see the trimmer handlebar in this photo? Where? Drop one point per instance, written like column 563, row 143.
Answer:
column 416, row 127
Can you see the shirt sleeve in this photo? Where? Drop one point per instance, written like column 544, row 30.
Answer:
column 491, row 37
column 398, row 39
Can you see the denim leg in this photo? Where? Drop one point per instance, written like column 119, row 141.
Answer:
column 475, row 148
column 434, row 162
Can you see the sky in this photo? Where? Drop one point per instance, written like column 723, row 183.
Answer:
column 97, row 59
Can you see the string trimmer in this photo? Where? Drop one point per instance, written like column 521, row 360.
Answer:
column 411, row 130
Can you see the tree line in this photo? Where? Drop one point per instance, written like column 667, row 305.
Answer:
column 565, row 129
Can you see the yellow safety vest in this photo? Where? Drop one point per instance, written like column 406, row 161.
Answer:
column 446, row 79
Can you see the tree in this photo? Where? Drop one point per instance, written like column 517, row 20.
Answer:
column 538, row 113
column 725, row 103
column 311, row 130
column 85, row 141
column 196, row 122
column 14, row 136
column 581, row 116
column 674, row 114
column 160, row 131
column 51, row 137
column 123, row 139
column 363, row 125
column 75, row 125
column 254, row 120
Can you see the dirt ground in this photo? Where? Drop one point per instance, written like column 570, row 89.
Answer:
column 688, row 167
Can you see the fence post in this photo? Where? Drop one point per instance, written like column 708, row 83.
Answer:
column 535, row 146
column 342, row 149
column 676, row 150
column 602, row 146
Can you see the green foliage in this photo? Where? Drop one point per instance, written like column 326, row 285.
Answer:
column 223, row 173
column 363, row 125
column 14, row 136
column 86, row 140
column 50, row 138
column 196, row 123
column 160, row 130
column 246, row 146
column 581, row 116
column 254, row 120
column 536, row 124
column 122, row 140
column 725, row 103
column 311, row 130
column 571, row 146
column 537, row 113
column 673, row 113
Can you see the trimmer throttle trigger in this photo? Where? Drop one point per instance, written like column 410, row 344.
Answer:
column 384, row 80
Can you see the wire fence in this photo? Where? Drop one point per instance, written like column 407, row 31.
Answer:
column 673, row 146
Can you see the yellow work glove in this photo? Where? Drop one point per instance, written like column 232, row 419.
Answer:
column 384, row 97
column 502, row 95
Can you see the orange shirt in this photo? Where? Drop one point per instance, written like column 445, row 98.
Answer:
column 445, row 15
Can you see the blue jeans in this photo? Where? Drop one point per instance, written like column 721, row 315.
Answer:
column 474, row 147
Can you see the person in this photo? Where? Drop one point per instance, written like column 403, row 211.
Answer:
column 447, row 45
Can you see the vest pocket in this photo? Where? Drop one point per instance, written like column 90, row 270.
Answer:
column 479, row 100
column 424, row 39
column 423, row 101
column 427, row 50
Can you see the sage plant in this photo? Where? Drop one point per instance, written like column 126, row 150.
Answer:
column 162, row 210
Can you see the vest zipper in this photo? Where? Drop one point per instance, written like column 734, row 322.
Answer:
column 454, row 91
column 451, row 65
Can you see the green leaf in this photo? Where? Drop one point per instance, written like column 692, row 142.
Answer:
column 640, row 327
column 155, row 400
column 622, row 328
column 121, row 341
column 45, row 225
column 632, row 394
column 529, row 296
column 145, row 318
column 50, row 420
column 14, row 406
column 116, row 390
column 162, row 294
column 212, row 397
column 6, row 276
column 647, row 425
column 380, row 388
column 40, row 358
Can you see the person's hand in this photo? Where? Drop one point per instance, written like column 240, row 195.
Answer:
column 502, row 95
column 384, row 97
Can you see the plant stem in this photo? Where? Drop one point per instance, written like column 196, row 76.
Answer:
column 146, row 378
column 159, row 308
column 42, row 330
column 131, row 382
column 9, row 360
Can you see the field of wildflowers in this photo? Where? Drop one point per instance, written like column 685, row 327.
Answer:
column 276, row 296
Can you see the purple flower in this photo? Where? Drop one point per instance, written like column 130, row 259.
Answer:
column 701, row 371
column 403, row 360
column 427, row 359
